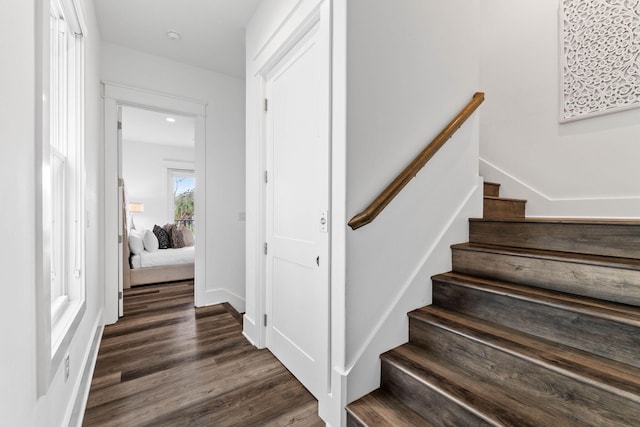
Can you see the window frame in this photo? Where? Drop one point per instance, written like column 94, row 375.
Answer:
column 61, row 290
column 172, row 172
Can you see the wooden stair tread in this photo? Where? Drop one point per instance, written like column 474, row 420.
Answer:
column 504, row 199
column 600, row 260
column 616, row 238
column 621, row 313
column 379, row 408
column 605, row 374
column 592, row 221
column 487, row 401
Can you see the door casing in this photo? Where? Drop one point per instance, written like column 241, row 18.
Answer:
column 115, row 96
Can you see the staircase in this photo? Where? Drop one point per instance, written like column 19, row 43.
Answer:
column 538, row 324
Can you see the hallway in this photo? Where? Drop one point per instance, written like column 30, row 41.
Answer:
column 166, row 363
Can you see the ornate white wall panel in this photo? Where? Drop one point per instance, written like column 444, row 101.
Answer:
column 600, row 57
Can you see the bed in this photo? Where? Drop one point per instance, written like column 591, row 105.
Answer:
column 163, row 265
column 142, row 267
column 144, row 262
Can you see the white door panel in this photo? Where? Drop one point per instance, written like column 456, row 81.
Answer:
column 297, row 133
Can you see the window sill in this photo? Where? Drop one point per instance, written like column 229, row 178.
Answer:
column 62, row 332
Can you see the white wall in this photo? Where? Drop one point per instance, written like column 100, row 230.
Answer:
column 583, row 168
column 18, row 386
column 224, row 97
column 267, row 19
column 412, row 66
column 19, row 403
column 144, row 169
column 271, row 26
column 401, row 72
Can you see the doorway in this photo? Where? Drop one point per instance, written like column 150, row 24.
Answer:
column 297, row 127
column 157, row 164
column 115, row 98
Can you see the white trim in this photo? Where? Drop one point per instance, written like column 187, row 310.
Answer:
column 299, row 17
column 53, row 338
column 384, row 317
column 278, row 30
column 116, row 95
column 218, row 296
column 75, row 413
column 542, row 205
column 549, row 198
column 129, row 95
column 333, row 411
column 249, row 329
column 178, row 164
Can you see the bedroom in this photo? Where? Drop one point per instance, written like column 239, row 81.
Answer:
column 158, row 172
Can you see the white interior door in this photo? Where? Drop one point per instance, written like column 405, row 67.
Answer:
column 297, row 202
column 121, row 220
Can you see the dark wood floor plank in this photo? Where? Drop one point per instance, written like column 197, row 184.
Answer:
column 233, row 312
column 303, row 416
column 243, row 406
column 168, row 363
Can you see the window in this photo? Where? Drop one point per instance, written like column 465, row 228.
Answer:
column 66, row 170
column 182, row 184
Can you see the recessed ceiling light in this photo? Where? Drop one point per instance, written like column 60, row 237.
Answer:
column 173, row 35
column 170, row 119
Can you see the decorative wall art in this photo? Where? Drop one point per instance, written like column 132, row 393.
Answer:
column 600, row 57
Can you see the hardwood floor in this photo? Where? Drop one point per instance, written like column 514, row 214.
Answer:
column 166, row 363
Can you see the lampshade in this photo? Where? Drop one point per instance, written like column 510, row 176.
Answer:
column 136, row 207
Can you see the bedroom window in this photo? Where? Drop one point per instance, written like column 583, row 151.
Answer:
column 66, row 170
column 182, row 184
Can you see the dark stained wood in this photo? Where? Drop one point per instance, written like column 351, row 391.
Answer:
column 498, row 207
column 454, row 396
column 523, row 331
column 491, row 189
column 607, row 278
column 607, row 329
column 393, row 189
column 167, row 363
column 236, row 315
column 617, row 238
column 563, row 381
column 381, row 409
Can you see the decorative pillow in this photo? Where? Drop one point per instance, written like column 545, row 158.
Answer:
column 176, row 237
column 136, row 245
column 187, row 237
column 162, row 236
column 150, row 241
column 169, row 229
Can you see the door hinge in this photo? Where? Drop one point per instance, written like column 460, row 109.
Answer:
column 265, row 320
column 266, row 248
column 120, row 238
column 119, row 125
column 266, row 105
column 119, row 294
column 266, row 177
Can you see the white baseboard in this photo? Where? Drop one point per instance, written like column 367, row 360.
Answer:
column 81, row 390
column 540, row 205
column 249, row 330
column 393, row 326
column 218, row 296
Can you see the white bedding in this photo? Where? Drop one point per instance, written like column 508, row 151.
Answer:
column 164, row 257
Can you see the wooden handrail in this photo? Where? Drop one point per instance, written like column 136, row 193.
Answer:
column 392, row 190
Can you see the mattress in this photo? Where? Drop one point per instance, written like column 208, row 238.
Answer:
column 164, row 257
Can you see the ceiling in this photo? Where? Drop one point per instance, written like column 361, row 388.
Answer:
column 212, row 30
column 152, row 127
